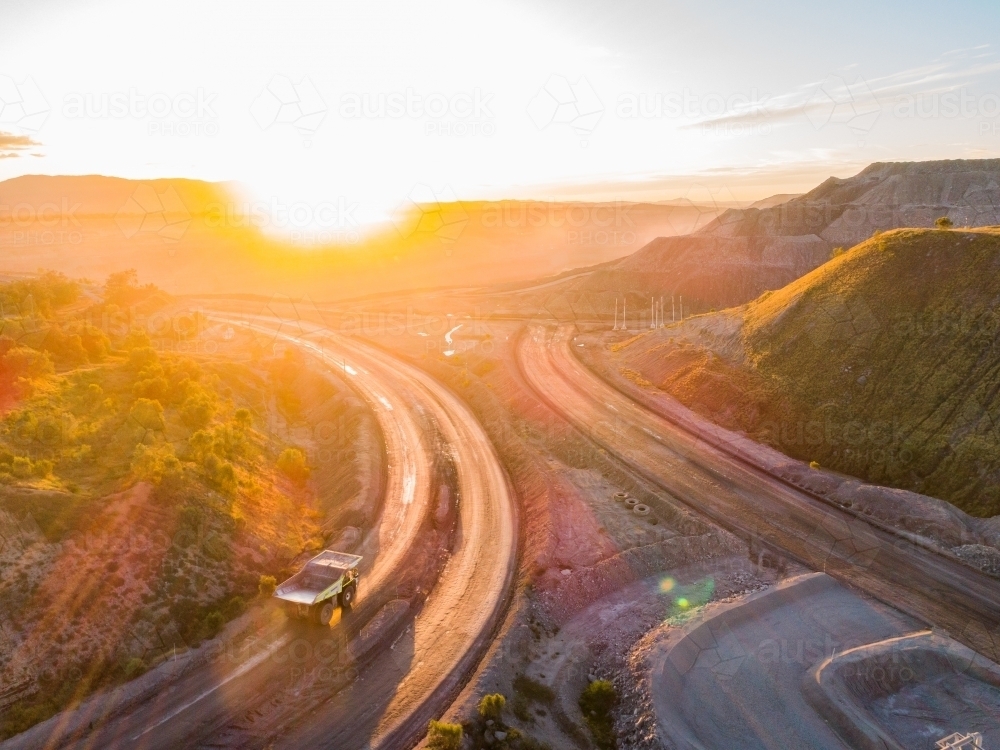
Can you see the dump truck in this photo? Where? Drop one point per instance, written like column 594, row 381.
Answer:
column 329, row 579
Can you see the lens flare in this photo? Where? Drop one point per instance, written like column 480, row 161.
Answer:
column 687, row 597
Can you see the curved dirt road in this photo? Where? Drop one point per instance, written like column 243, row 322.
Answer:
column 754, row 505
column 267, row 696
column 455, row 626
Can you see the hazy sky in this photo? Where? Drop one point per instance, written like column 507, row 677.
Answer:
column 368, row 101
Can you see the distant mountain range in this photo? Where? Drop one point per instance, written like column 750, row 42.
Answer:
column 744, row 252
column 204, row 238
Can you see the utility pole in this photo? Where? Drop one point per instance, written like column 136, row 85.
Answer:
column 624, row 326
column 616, row 315
column 652, row 315
column 682, row 307
column 673, row 310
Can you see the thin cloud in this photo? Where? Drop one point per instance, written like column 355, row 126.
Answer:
column 954, row 69
column 11, row 145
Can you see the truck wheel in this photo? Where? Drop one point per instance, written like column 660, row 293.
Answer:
column 347, row 597
column 325, row 613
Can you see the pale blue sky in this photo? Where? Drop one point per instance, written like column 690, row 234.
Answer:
column 576, row 99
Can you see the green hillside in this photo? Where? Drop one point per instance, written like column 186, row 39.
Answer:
column 883, row 363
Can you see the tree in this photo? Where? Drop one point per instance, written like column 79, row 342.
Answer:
column 22, row 362
column 597, row 703
column 147, row 414
column 944, row 223
column 266, row 586
column 444, row 736
column 492, row 706
column 154, row 464
column 120, row 286
column 198, row 408
column 243, row 419
column 292, row 463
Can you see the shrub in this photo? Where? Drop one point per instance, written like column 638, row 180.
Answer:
column 519, row 707
column 444, row 736
column 134, row 667
column 532, row 690
column 147, row 414
column 153, row 464
column 597, row 702
column 220, row 474
column 243, row 418
column 198, row 409
column 21, row 467
column 137, row 340
column 837, row 251
column 155, row 388
column 492, row 706
column 235, row 607
column 266, row 586
column 200, row 444
column 213, row 623
column 65, row 348
column 814, row 464
column 292, row 463
column 22, row 362
column 141, row 357
column 944, row 223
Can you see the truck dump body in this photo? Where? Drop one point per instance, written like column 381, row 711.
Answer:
column 320, row 578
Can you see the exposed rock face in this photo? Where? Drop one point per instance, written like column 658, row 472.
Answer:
column 745, row 252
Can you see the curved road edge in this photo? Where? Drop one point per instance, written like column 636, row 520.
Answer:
column 749, row 502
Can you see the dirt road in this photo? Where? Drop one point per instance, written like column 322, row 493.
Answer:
column 756, row 506
column 288, row 689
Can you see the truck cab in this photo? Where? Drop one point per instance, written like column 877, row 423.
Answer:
column 326, row 581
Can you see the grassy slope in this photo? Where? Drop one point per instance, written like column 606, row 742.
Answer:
column 883, row 363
